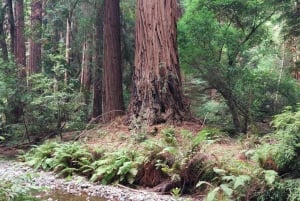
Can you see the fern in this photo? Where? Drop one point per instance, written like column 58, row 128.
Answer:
column 70, row 158
column 41, row 156
column 282, row 146
column 120, row 166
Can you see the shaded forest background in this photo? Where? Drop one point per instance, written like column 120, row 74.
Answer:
column 67, row 63
column 125, row 73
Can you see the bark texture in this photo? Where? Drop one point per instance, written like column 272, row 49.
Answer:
column 11, row 24
column 157, row 94
column 86, row 69
column 35, row 43
column 97, row 81
column 113, row 104
column 3, row 45
column 19, row 49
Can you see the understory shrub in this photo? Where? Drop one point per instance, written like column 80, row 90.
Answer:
column 236, row 180
column 65, row 159
column 20, row 189
column 175, row 158
column 120, row 166
column 41, row 156
column 281, row 149
column 285, row 190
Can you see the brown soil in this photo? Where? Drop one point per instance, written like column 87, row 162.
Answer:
column 118, row 135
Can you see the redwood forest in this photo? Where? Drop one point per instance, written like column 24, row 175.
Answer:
column 150, row 100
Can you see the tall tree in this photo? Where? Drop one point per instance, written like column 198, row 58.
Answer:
column 113, row 104
column 87, row 50
column 19, row 43
column 36, row 35
column 10, row 17
column 3, row 44
column 97, row 81
column 157, row 94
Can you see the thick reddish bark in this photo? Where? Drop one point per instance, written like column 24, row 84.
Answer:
column 19, row 49
column 97, row 81
column 34, row 42
column 157, row 89
column 113, row 104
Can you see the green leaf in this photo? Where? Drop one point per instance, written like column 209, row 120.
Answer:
column 225, row 188
column 219, row 171
column 211, row 196
column 270, row 176
column 241, row 181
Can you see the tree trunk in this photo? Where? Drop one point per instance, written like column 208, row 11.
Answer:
column 157, row 94
column 68, row 45
column 97, row 81
column 86, row 70
column 19, row 49
column 3, row 44
column 113, row 104
column 10, row 17
column 36, row 35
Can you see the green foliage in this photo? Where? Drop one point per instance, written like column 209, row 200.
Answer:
column 174, row 151
column 281, row 148
column 70, row 158
column 49, row 104
column 287, row 190
column 65, row 159
column 218, row 41
column 213, row 112
column 120, row 166
column 20, row 189
column 41, row 156
column 234, row 184
column 11, row 91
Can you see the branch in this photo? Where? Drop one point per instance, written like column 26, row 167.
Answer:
column 255, row 27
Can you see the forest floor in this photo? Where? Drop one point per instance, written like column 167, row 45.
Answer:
column 117, row 135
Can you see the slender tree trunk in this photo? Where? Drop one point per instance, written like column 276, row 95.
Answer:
column 86, row 69
column 19, row 43
column 113, row 104
column 157, row 94
column 68, row 45
column 97, row 81
column 10, row 17
column 3, row 44
column 34, row 42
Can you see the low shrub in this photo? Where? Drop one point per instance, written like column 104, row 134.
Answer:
column 280, row 150
column 120, row 166
column 285, row 190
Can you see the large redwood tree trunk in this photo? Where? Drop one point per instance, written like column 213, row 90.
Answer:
column 36, row 35
column 19, row 43
column 157, row 94
column 113, row 104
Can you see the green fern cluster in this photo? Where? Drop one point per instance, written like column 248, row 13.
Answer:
column 120, row 166
column 174, row 153
column 288, row 190
column 281, row 150
column 71, row 158
column 65, row 159
column 231, row 183
column 41, row 156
